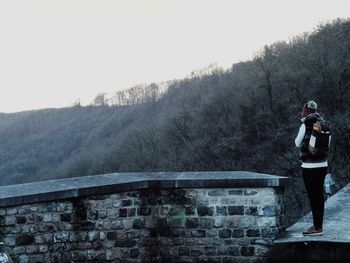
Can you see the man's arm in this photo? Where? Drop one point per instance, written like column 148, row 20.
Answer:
column 299, row 139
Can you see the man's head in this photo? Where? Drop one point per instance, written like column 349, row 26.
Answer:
column 309, row 107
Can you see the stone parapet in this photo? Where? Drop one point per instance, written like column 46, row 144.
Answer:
column 160, row 221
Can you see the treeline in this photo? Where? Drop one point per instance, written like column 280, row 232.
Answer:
column 242, row 118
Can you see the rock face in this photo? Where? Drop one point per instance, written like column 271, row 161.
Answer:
column 234, row 224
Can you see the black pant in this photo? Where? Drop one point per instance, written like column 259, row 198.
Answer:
column 314, row 180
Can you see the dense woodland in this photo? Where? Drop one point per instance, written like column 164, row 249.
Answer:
column 242, row 118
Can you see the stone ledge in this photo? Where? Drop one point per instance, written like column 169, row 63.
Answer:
column 336, row 223
column 121, row 182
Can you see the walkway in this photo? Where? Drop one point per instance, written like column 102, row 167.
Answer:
column 334, row 244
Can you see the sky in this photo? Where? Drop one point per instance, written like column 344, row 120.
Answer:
column 53, row 53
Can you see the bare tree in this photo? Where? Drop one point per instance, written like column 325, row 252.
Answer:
column 100, row 99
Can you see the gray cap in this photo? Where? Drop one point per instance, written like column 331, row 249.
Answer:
column 312, row 105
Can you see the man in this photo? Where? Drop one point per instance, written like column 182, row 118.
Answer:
column 315, row 167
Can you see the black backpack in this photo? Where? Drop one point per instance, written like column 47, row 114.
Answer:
column 320, row 138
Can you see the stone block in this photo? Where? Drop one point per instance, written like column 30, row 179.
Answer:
column 205, row 211
column 262, row 251
column 179, row 242
column 84, row 226
column 19, row 250
column 43, row 248
column 244, row 241
column 210, row 250
column 52, row 207
column 39, row 239
column 17, row 229
column 9, row 241
column 102, row 236
column 25, row 239
column 217, row 192
column 234, row 200
column 175, row 222
column 11, row 211
column 250, row 192
column 202, row 201
column 126, row 202
column 221, row 210
column 270, row 232
column 233, row 251
column 123, row 212
column 23, row 210
column 151, row 223
column 197, row 233
column 219, row 222
column 251, row 210
column 138, row 223
column 96, row 255
column 235, row 210
column 196, row 251
column 212, row 232
column 40, row 228
column 124, row 243
column 61, row 237
column 261, row 241
column 37, row 258
column 213, row 259
column 190, row 210
column 111, row 235
column 84, row 245
column 176, row 210
column 247, row 251
column 205, row 223
column 23, row 259
column 203, row 241
column 92, row 236
column 241, row 222
column 80, row 256
column 66, row 217
column 184, row 251
column 269, row 210
column 221, row 250
column 265, row 222
column 216, row 241
column 225, row 233
column 32, row 249
column 235, row 192
column 48, row 238
column 65, row 206
column 144, row 211
column 116, row 225
column 78, row 236
column 253, row 232
column 10, row 220
column 103, row 214
column 237, row 233
column 192, row 222
column 131, row 212
column 47, row 217
column 38, row 218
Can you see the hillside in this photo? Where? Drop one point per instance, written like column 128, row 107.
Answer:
column 243, row 118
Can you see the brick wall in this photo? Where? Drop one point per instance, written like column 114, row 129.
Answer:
column 149, row 225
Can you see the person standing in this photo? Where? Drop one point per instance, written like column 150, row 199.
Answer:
column 314, row 167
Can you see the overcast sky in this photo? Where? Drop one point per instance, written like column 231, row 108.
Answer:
column 55, row 52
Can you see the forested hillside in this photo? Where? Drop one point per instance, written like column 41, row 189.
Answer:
column 243, row 118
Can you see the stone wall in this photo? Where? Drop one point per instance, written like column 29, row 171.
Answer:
column 234, row 224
